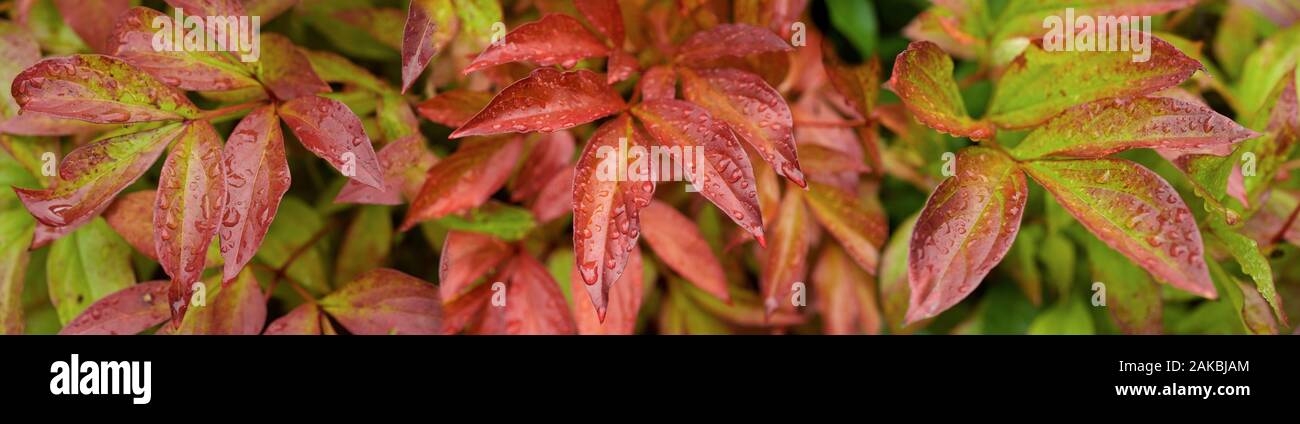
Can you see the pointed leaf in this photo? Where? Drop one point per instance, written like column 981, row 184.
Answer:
column 677, row 241
column 127, row 311
column 305, row 320
column 85, row 266
column 534, row 303
column 659, row 83
column 846, row 294
column 465, row 179
column 923, row 79
column 624, row 302
column 430, row 24
column 405, row 162
column 285, row 71
column 1109, row 126
column 550, row 154
column 454, row 108
column 256, row 178
column 965, row 229
column 621, row 66
column 787, row 258
column 860, row 230
column 1031, row 90
column 1253, row 263
column 191, row 192
column 547, row 100
column 466, row 257
column 92, row 175
column 98, row 89
column 234, row 308
column 555, row 39
column 754, row 111
column 859, row 84
column 605, row 15
column 725, row 177
column 729, row 40
column 385, row 301
column 329, row 129
column 134, row 40
column 1135, row 212
column 93, row 20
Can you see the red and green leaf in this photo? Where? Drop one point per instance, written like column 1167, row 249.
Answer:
column 134, row 41
column 430, row 25
column 846, row 294
column 87, row 265
column 923, row 80
column 861, row 230
column 305, row 320
column 1133, row 211
column 385, row 301
column 128, row 311
column 1109, row 126
column 187, row 212
column 285, row 71
column 405, row 162
column 234, row 308
column 547, row 100
column 965, row 229
column 99, row 89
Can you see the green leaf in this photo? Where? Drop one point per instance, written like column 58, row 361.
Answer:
column 923, row 79
column 1132, row 299
column 1027, row 18
column 1253, row 263
column 334, row 68
column 856, row 20
column 504, row 221
column 1264, row 70
column 17, row 227
column 1058, row 257
column 234, row 308
column 1021, row 265
column 1041, row 84
column 1069, row 316
column 366, row 243
column 296, row 225
column 90, row 263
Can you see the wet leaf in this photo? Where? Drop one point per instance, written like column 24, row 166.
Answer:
column 534, row 302
column 607, row 203
column 134, row 39
column 547, row 100
column 1253, row 263
column 1109, row 126
column 98, row 89
column 605, row 15
column 385, row 301
column 130, row 310
column 405, row 162
column 624, row 302
column 724, row 176
column 87, row 265
column 753, row 110
column 454, row 108
column 621, row 66
column 329, row 129
column 846, row 296
column 465, row 179
column 430, row 25
column 1030, row 91
column 256, row 178
column 729, row 40
column 1133, row 211
column 965, row 229
column 191, row 193
column 658, row 83
column 92, row 175
column 923, row 79
column 234, row 308
column 555, row 39
column 466, row 257
column 285, row 71
column 860, row 230
column 678, row 243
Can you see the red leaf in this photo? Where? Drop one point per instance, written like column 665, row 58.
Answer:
column 550, row 154
column 846, row 295
column 725, row 177
column 329, row 129
column 191, row 191
column 93, row 174
column 454, row 108
column 465, row 179
column 134, row 40
column 466, row 311
column 621, row 66
column 384, row 301
column 624, row 302
column 605, row 15
column 860, row 230
column 1108, row 126
column 93, row 20
column 554, row 39
column 1135, row 212
column 43, row 124
column 965, row 229
column 131, row 216
column 430, row 24
column 236, row 308
column 787, row 258
column 556, row 197
column 45, row 234
column 286, row 71
column 534, row 302
column 729, row 40
column 859, row 84
column 606, row 208
column 755, row 111
column 305, row 320
column 547, row 100
column 256, row 178
column 127, row 311
column 405, row 161
column 659, row 83
column 677, row 241
column 98, row 89
column 466, row 257
column 923, row 80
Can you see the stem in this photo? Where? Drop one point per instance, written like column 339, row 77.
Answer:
column 281, row 272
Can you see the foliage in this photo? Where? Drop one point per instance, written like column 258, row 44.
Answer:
column 996, row 185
